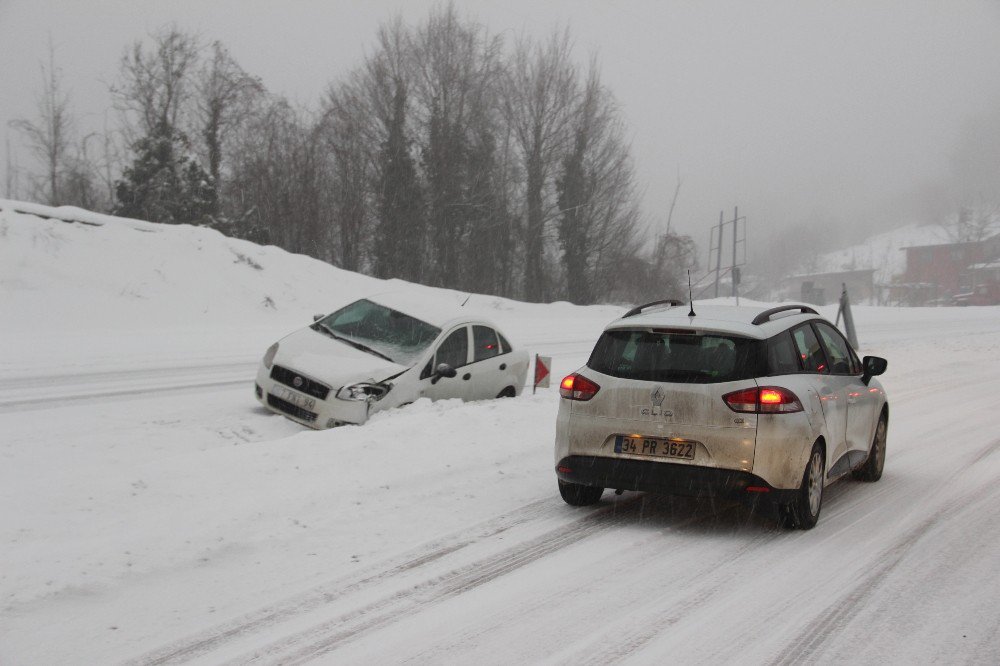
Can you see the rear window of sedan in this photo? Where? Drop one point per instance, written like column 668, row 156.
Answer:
column 690, row 358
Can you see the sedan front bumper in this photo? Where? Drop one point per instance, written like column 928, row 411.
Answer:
column 309, row 410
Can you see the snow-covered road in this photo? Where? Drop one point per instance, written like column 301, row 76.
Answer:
column 162, row 517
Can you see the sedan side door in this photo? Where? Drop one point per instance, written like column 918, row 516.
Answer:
column 453, row 350
column 488, row 368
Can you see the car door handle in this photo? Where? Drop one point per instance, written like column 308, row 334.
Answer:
column 467, row 376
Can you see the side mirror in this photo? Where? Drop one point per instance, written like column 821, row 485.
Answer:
column 317, row 317
column 443, row 370
column 873, row 366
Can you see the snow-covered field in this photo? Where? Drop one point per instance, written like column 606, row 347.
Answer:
column 151, row 512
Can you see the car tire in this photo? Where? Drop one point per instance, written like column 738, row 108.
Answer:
column 803, row 512
column 577, row 494
column 508, row 392
column 872, row 469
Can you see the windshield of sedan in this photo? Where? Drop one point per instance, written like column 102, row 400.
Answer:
column 675, row 357
column 380, row 331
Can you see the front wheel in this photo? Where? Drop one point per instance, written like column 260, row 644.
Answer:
column 577, row 494
column 803, row 512
column 872, row 469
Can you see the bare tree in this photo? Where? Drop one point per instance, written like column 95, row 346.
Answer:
column 49, row 137
column 11, row 185
column 349, row 142
column 977, row 220
column 224, row 94
column 399, row 234
column 539, row 91
column 155, row 85
column 456, row 65
column 280, row 180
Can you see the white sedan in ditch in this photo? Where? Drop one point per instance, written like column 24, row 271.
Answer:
column 377, row 353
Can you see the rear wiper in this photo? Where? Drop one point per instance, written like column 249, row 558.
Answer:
column 357, row 345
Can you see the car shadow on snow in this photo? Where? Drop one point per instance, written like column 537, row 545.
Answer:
column 708, row 515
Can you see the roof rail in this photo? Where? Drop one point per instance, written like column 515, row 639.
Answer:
column 672, row 302
column 766, row 315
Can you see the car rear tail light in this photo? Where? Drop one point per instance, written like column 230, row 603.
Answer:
column 578, row 387
column 763, row 400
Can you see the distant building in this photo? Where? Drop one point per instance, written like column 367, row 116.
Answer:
column 936, row 274
column 823, row 288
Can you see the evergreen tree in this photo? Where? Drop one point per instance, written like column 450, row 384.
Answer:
column 164, row 184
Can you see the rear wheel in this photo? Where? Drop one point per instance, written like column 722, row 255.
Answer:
column 579, row 495
column 508, row 392
column 803, row 512
column 872, row 469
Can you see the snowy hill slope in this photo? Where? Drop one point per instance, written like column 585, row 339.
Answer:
column 70, row 278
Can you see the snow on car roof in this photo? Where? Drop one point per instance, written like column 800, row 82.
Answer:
column 720, row 318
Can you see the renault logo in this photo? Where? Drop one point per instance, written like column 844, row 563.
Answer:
column 657, row 396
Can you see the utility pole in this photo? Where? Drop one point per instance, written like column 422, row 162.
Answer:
column 718, row 257
column 736, row 222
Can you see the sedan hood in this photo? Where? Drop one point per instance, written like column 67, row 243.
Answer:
column 331, row 361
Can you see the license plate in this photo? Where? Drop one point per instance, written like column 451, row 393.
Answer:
column 655, row 447
column 296, row 399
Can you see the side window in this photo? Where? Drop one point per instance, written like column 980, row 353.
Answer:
column 837, row 349
column 808, row 349
column 506, row 345
column 781, row 356
column 856, row 366
column 485, row 343
column 455, row 349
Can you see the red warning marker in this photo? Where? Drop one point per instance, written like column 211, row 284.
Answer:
column 543, row 365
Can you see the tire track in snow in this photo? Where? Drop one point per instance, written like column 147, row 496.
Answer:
column 46, row 391
column 326, row 637
column 223, row 634
column 812, row 638
column 627, row 642
column 659, row 542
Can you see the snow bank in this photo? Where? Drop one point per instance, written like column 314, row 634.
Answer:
column 80, row 289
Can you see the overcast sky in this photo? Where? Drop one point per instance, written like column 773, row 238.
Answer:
column 842, row 112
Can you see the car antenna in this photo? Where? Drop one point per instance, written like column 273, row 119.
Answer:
column 690, row 297
column 466, row 300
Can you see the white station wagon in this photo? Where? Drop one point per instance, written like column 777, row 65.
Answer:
column 765, row 404
column 377, row 353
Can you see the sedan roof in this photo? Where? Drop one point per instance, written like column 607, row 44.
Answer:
column 441, row 312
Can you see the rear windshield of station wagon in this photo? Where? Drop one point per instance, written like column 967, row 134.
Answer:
column 676, row 357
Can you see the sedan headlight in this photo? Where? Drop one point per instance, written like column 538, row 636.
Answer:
column 269, row 355
column 363, row 391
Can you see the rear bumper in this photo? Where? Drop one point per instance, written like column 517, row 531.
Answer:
column 667, row 478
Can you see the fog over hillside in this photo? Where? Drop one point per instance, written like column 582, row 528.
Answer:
column 837, row 119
